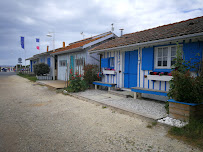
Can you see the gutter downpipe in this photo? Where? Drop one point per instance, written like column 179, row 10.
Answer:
column 150, row 42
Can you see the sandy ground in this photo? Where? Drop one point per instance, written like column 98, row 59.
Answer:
column 35, row 118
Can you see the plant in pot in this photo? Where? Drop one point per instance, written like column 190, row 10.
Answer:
column 186, row 91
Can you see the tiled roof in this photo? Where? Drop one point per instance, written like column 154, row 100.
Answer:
column 186, row 27
column 81, row 43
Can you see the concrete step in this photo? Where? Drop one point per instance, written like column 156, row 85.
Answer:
column 123, row 93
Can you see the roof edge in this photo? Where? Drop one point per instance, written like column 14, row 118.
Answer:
column 150, row 42
column 67, row 51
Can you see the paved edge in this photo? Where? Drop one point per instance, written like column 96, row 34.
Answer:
column 119, row 110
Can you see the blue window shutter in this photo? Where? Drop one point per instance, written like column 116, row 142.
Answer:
column 193, row 52
column 105, row 62
column 48, row 62
column 148, row 58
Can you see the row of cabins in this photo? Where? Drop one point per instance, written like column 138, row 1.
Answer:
column 74, row 56
column 131, row 59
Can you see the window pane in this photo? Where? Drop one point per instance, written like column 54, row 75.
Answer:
column 111, row 62
column 159, row 52
column 173, row 61
column 164, row 58
column 165, row 51
column 159, row 61
column 164, row 61
column 173, row 51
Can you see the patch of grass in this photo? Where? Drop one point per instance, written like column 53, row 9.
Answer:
column 154, row 123
column 29, row 77
column 191, row 133
column 149, row 126
column 103, row 107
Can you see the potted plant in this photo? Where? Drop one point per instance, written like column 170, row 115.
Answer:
column 186, row 91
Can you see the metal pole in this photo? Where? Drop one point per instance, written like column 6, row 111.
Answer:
column 53, row 41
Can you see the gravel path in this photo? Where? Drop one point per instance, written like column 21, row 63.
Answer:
column 149, row 108
column 35, row 118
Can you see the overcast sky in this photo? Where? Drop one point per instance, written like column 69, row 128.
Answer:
column 68, row 18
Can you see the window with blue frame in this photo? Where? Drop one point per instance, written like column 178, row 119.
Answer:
column 107, row 63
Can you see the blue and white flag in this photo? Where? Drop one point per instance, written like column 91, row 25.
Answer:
column 22, row 42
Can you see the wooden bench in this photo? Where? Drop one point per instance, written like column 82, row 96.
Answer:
column 109, row 85
column 138, row 91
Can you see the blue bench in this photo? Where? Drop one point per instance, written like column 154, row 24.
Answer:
column 109, row 85
column 138, row 91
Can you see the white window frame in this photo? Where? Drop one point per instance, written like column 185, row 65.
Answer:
column 168, row 57
column 112, row 62
column 61, row 63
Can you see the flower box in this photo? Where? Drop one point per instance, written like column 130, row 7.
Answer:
column 159, row 78
column 109, row 72
column 184, row 111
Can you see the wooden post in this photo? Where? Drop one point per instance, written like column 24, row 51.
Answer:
column 137, row 95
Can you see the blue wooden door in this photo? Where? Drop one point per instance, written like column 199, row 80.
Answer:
column 130, row 74
column 72, row 63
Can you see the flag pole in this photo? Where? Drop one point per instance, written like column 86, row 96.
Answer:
column 25, row 60
column 25, row 54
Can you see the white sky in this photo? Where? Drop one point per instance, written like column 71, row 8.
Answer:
column 67, row 18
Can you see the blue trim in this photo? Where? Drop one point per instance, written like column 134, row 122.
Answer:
column 108, row 65
column 149, row 92
column 103, row 84
column 162, row 70
column 139, row 69
column 116, row 66
column 119, row 70
column 165, row 85
column 31, row 65
column 143, row 78
column 49, row 61
column 191, row 104
column 160, row 85
column 139, row 74
column 167, row 45
column 148, row 80
column 153, row 85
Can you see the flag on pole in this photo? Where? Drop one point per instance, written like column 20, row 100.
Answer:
column 37, row 40
column 22, row 42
